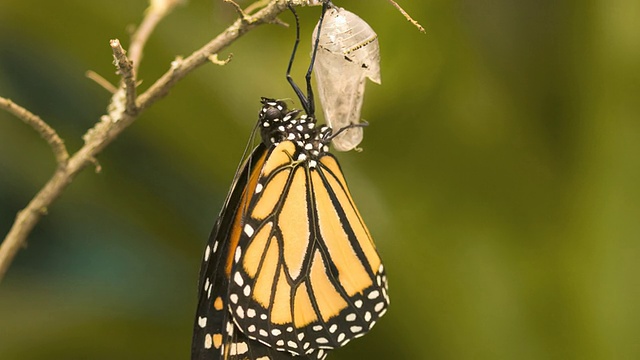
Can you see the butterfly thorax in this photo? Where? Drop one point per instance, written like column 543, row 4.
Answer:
column 278, row 124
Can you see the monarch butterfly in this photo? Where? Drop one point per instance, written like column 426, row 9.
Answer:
column 348, row 54
column 290, row 270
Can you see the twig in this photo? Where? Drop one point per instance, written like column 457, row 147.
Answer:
column 180, row 69
column 119, row 117
column 214, row 59
column 238, row 9
column 156, row 11
column 125, row 69
column 407, row 16
column 256, row 5
column 45, row 131
column 100, row 81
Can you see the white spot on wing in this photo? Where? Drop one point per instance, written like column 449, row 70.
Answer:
column 248, row 230
column 202, row 321
column 238, row 279
column 251, row 313
column 242, row 348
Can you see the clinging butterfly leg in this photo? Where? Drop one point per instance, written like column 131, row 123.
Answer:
column 290, row 270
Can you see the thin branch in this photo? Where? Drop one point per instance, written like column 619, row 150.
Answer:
column 45, row 131
column 119, row 117
column 104, row 83
column 407, row 16
column 256, row 5
column 125, row 69
column 180, row 68
column 214, row 59
column 156, row 11
column 238, row 9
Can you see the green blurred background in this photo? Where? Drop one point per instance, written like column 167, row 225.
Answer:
column 500, row 177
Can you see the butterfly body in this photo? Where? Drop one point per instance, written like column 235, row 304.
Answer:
column 290, row 270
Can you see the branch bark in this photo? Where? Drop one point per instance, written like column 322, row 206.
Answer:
column 45, row 131
column 125, row 107
column 126, row 71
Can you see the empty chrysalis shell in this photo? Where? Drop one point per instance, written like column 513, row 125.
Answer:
column 348, row 53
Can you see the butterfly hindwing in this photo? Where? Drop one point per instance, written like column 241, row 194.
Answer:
column 211, row 315
column 216, row 336
column 306, row 275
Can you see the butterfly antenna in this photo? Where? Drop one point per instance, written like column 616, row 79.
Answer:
column 306, row 100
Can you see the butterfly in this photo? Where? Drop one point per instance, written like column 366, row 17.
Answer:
column 290, row 270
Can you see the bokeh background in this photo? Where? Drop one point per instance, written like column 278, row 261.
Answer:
column 500, row 177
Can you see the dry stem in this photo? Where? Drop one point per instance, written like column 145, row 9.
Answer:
column 407, row 16
column 46, row 131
